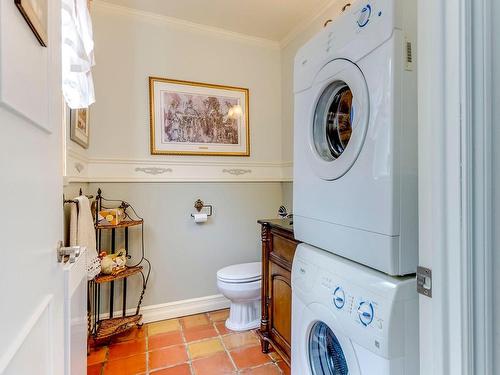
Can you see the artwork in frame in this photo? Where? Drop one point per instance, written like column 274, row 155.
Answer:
column 79, row 126
column 193, row 118
column 35, row 14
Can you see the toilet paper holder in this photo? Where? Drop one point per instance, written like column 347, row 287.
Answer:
column 199, row 205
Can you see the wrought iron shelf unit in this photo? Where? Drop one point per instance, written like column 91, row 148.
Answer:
column 123, row 224
column 102, row 329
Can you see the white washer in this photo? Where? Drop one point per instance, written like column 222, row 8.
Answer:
column 348, row 319
column 355, row 147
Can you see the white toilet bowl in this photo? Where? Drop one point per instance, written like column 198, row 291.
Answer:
column 241, row 284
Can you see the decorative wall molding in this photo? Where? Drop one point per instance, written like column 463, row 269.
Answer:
column 79, row 167
column 146, row 170
column 177, row 309
column 237, row 171
column 180, row 23
column 153, row 170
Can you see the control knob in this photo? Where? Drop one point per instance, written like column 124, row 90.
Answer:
column 365, row 313
column 339, row 298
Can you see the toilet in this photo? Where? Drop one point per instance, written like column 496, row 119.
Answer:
column 241, row 284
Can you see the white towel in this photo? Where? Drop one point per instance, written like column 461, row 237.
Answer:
column 86, row 236
column 73, row 224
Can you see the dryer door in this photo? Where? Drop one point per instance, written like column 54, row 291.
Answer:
column 339, row 119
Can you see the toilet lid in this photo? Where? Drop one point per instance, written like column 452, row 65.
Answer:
column 241, row 273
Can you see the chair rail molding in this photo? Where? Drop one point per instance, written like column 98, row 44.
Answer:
column 83, row 169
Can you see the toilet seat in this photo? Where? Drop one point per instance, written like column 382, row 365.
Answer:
column 240, row 273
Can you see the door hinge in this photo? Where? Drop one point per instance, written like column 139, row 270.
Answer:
column 424, row 281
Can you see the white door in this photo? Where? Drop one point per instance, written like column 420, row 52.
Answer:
column 31, row 280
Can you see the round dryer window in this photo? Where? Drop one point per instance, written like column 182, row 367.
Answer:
column 340, row 119
column 325, row 353
column 333, row 121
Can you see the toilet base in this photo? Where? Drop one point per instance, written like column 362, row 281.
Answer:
column 244, row 316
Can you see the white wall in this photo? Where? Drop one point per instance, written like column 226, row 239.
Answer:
column 133, row 45
column 186, row 256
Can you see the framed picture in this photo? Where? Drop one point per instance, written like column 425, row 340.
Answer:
column 35, row 14
column 79, row 126
column 192, row 118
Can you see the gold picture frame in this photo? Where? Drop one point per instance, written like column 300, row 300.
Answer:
column 35, row 12
column 196, row 118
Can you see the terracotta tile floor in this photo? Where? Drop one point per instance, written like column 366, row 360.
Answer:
column 192, row 345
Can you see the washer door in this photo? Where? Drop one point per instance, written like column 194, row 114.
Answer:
column 339, row 120
column 326, row 356
column 322, row 347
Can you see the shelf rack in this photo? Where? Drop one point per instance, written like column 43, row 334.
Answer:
column 101, row 329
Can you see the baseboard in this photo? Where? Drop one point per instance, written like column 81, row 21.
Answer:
column 170, row 310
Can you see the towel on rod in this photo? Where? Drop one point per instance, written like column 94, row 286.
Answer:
column 73, row 224
column 85, row 234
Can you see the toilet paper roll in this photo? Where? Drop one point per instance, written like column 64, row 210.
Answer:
column 200, row 218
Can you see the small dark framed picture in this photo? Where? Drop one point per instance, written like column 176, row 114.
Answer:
column 79, row 126
column 35, row 12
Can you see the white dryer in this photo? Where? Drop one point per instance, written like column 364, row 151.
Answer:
column 348, row 319
column 355, row 137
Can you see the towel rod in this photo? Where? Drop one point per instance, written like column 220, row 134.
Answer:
column 65, row 201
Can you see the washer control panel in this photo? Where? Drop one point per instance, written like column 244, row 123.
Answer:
column 354, row 304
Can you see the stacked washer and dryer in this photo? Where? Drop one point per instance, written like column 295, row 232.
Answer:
column 355, row 305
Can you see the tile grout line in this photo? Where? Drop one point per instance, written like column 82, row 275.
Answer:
column 225, row 348
column 189, row 362
column 147, row 349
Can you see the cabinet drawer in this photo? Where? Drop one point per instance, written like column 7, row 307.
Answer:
column 284, row 248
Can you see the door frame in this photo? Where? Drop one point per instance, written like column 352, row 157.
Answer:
column 455, row 174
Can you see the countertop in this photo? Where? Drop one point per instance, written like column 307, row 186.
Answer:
column 285, row 224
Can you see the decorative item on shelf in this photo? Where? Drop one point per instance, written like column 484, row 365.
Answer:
column 79, row 126
column 113, row 264
column 112, row 216
column 201, row 217
column 114, row 268
column 193, row 118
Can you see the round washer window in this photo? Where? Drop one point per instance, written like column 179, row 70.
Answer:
column 333, row 118
column 325, row 353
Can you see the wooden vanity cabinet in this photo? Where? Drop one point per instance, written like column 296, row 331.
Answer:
column 278, row 250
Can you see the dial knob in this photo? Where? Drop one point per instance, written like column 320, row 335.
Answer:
column 365, row 313
column 364, row 16
column 339, row 298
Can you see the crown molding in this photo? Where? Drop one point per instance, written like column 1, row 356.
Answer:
column 101, row 5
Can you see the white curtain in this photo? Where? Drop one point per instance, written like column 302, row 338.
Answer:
column 77, row 54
